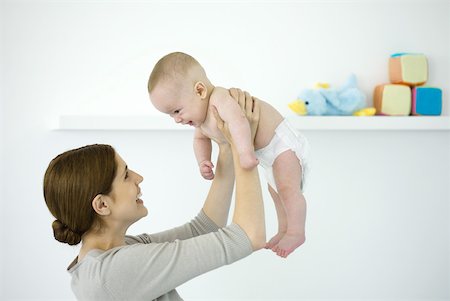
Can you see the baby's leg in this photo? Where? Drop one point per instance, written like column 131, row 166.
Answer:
column 288, row 174
column 282, row 220
column 240, row 131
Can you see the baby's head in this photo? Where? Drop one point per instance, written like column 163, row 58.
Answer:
column 178, row 86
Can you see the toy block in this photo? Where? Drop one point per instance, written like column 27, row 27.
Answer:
column 408, row 68
column 391, row 99
column 426, row 101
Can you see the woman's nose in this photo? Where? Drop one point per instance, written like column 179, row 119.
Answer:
column 178, row 119
column 139, row 178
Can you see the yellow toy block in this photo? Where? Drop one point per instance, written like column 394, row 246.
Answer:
column 391, row 99
column 408, row 69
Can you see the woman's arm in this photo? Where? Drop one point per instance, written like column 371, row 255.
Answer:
column 217, row 203
column 214, row 214
column 231, row 113
column 249, row 208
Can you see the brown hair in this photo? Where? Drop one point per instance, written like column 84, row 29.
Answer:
column 172, row 66
column 71, row 182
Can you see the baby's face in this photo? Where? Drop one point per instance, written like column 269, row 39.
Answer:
column 181, row 103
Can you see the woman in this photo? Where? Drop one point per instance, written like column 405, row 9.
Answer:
column 95, row 198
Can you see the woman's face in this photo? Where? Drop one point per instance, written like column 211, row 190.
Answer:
column 127, row 206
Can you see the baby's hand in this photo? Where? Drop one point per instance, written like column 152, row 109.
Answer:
column 206, row 169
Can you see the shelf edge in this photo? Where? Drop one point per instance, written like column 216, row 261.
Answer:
column 304, row 123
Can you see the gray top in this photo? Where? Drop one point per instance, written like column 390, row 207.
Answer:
column 151, row 266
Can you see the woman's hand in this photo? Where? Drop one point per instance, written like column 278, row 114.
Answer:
column 249, row 207
column 250, row 107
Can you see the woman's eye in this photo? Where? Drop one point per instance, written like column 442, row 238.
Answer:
column 177, row 111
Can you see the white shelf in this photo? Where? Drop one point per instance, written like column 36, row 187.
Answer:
column 416, row 123
column 156, row 123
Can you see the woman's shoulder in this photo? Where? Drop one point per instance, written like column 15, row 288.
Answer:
column 84, row 259
column 94, row 256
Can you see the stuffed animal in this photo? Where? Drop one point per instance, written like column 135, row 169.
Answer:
column 347, row 100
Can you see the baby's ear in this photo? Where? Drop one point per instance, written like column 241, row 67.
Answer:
column 201, row 89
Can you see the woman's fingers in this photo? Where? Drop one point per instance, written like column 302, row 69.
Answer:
column 244, row 99
column 253, row 116
column 239, row 96
column 234, row 93
column 248, row 104
column 256, row 108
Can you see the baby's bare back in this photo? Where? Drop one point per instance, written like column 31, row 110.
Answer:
column 269, row 119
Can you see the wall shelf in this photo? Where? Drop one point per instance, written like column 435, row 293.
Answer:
column 433, row 123
column 156, row 123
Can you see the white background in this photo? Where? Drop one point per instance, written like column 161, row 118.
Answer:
column 378, row 220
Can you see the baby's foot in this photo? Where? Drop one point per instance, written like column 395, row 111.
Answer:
column 274, row 241
column 288, row 244
column 248, row 160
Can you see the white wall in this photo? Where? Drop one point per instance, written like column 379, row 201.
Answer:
column 378, row 221
column 2, row 140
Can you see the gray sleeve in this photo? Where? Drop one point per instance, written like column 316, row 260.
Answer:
column 201, row 224
column 151, row 270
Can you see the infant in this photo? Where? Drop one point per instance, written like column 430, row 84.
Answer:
column 178, row 86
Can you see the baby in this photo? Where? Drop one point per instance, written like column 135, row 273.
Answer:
column 178, row 86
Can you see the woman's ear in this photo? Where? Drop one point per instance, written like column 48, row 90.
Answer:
column 100, row 205
column 201, row 89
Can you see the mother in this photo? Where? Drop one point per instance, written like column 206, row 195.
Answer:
column 95, row 198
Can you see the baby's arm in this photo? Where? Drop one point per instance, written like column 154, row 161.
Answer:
column 230, row 111
column 202, row 150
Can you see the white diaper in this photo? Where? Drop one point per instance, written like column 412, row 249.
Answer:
column 285, row 138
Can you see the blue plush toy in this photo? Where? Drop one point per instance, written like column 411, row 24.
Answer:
column 346, row 100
